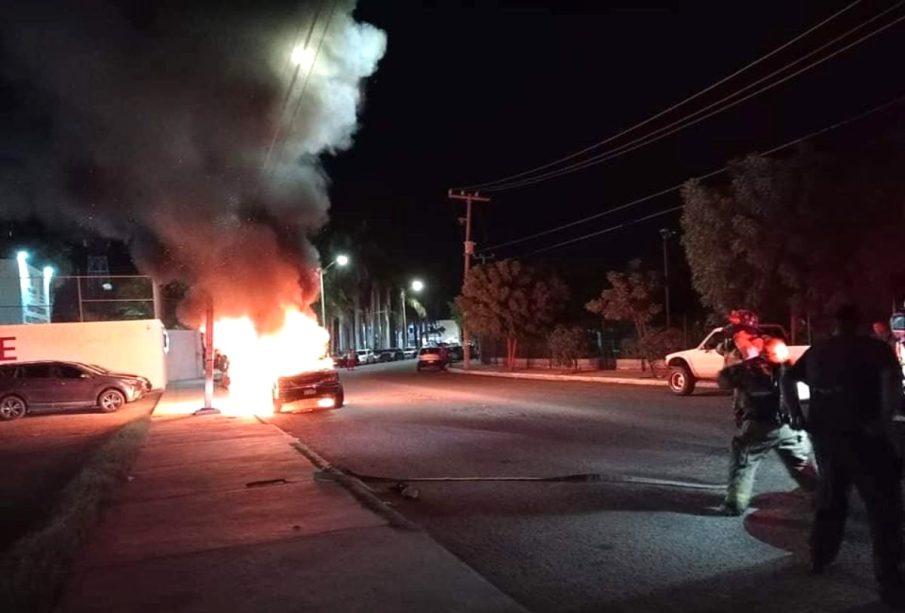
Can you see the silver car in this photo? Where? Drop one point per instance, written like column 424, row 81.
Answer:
column 28, row 386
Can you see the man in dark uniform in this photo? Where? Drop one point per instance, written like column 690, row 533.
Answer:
column 763, row 425
column 855, row 385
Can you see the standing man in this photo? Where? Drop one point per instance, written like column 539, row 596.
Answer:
column 855, row 388
column 763, row 425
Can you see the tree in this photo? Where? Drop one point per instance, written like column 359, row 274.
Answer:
column 567, row 344
column 800, row 235
column 509, row 300
column 630, row 298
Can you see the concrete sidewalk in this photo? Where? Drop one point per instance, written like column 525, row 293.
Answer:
column 223, row 514
column 621, row 377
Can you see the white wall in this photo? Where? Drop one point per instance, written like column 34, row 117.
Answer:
column 184, row 357
column 135, row 347
column 451, row 333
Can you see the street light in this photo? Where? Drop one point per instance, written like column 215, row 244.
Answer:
column 341, row 260
column 417, row 286
column 302, row 56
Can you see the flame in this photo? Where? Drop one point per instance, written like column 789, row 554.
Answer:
column 257, row 360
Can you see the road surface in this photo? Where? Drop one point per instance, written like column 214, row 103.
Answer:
column 642, row 534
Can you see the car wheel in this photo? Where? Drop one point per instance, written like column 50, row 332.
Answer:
column 681, row 382
column 111, row 400
column 339, row 400
column 418, row 368
column 12, row 407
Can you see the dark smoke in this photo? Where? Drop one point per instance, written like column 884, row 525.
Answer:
column 151, row 122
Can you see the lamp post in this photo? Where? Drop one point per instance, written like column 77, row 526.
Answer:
column 417, row 286
column 341, row 260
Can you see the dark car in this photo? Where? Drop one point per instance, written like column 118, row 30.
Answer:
column 319, row 389
column 385, row 355
column 456, row 353
column 28, row 386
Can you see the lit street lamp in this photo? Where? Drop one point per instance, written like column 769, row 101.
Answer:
column 341, row 260
column 417, row 286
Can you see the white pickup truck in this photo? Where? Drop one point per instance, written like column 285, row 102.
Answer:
column 704, row 362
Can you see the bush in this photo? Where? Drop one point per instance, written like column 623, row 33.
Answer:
column 657, row 343
column 567, row 344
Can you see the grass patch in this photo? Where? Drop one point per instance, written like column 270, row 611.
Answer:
column 33, row 570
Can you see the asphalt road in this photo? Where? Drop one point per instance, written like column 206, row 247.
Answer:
column 40, row 453
column 643, row 536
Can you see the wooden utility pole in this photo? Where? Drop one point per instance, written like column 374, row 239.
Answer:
column 468, row 197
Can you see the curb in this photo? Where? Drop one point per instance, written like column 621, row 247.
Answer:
column 355, row 486
column 581, row 378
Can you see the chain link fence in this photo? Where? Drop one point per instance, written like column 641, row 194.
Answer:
column 80, row 298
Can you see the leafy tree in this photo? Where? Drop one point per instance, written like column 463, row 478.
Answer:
column 510, row 301
column 630, row 298
column 567, row 344
column 799, row 235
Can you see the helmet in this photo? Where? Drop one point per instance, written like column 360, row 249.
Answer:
column 776, row 351
column 743, row 317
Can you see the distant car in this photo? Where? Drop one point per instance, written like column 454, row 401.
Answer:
column 409, row 352
column 29, row 386
column 398, row 354
column 432, row 357
column 456, row 353
column 345, row 361
column 385, row 355
column 319, row 389
column 366, row 356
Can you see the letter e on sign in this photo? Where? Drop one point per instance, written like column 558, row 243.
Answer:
column 7, row 348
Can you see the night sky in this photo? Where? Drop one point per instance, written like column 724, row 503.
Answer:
column 473, row 92
column 469, row 92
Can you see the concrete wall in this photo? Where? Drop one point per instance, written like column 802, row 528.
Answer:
column 184, row 358
column 135, row 347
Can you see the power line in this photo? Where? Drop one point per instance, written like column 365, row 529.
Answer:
column 604, row 231
column 650, row 138
column 671, row 108
column 265, row 168
column 810, row 135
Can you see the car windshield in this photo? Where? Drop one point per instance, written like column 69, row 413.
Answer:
column 95, row 368
column 430, row 350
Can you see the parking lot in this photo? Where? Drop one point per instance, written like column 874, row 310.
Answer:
column 40, row 453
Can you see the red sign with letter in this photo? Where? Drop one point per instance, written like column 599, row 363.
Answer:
column 7, row 348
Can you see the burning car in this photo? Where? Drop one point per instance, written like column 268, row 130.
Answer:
column 319, row 389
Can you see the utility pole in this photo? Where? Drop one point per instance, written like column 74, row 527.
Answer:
column 208, row 408
column 666, row 235
column 405, row 325
column 468, row 252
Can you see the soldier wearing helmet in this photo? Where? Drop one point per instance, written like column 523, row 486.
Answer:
column 761, row 419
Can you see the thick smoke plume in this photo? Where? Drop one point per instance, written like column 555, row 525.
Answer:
column 155, row 123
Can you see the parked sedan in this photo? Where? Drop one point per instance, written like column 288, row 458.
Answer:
column 432, row 357
column 366, row 356
column 28, row 386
